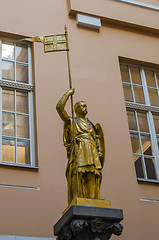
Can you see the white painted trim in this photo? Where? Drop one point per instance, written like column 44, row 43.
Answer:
column 139, row 4
column 149, row 200
column 22, row 187
column 148, row 180
column 12, row 237
column 85, row 20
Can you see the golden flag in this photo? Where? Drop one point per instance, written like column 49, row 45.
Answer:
column 55, row 43
column 34, row 39
column 51, row 43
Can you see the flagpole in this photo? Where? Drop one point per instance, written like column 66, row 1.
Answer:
column 70, row 84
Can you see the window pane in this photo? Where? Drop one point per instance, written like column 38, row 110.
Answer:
column 124, row 73
column 7, row 50
column 8, row 124
column 7, row 100
column 135, row 75
column 135, row 143
column 139, row 97
column 21, row 73
column 22, row 126
column 153, row 97
column 139, row 167
column 142, row 119
column 146, row 145
column 150, row 167
column 156, row 123
column 127, row 93
column 23, row 152
column 158, row 142
column 150, row 78
column 157, row 76
column 22, row 102
column 8, row 71
column 131, row 120
column 21, row 53
column 8, row 150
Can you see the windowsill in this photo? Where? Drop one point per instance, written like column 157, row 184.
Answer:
column 18, row 166
column 147, row 180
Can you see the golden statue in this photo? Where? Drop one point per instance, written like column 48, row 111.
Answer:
column 86, row 154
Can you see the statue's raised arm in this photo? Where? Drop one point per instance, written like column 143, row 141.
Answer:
column 60, row 107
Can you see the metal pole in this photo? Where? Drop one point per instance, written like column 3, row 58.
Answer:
column 70, row 84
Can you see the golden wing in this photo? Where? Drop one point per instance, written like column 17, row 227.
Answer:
column 100, row 143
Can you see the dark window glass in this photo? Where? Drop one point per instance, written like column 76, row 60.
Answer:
column 150, row 168
column 138, row 167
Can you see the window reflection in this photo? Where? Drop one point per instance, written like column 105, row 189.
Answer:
column 135, row 143
column 138, row 166
column 8, row 100
column 157, row 76
column 23, row 152
column 8, row 150
column 22, row 102
column 124, row 73
column 146, row 145
column 150, row 167
column 7, row 51
column 131, row 120
column 127, row 93
column 21, row 53
column 139, row 96
column 142, row 119
column 8, row 124
column 150, row 78
column 21, row 73
column 153, row 97
column 135, row 75
column 8, row 71
column 156, row 123
column 22, row 126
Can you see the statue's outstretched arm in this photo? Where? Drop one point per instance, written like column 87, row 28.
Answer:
column 60, row 107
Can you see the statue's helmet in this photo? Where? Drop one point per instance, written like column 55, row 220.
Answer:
column 77, row 105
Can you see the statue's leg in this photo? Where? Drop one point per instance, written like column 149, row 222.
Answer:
column 89, row 182
column 69, row 184
column 97, row 188
column 74, row 186
column 80, row 185
column 77, row 188
column 69, row 191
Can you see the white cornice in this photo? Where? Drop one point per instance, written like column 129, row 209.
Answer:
column 139, row 4
column 12, row 237
column 85, row 20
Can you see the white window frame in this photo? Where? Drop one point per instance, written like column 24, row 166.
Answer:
column 149, row 110
column 11, row 85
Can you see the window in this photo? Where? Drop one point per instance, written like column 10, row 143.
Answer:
column 16, row 104
column 141, row 91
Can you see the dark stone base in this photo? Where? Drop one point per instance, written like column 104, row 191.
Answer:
column 86, row 223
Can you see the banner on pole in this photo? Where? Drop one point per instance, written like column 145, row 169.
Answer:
column 51, row 43
column 55, row 43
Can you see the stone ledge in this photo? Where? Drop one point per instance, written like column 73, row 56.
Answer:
column 88, row 214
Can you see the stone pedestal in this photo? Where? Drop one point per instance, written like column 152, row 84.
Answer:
column 89, row 223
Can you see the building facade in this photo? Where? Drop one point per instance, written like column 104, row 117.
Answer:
column 115, row 70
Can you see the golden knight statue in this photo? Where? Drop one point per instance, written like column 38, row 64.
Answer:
column 86, row 156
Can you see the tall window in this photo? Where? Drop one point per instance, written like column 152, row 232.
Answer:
column 141, row 90
column 16, row 104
